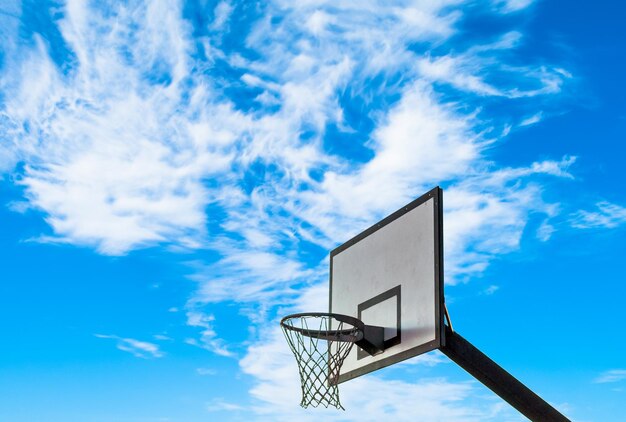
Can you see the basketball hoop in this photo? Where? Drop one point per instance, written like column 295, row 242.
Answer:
column 320, row 342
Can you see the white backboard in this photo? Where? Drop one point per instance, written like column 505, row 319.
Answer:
column 391, row 275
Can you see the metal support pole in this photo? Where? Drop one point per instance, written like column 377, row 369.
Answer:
column 468, row 357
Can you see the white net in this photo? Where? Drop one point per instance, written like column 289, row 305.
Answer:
column 320, row 344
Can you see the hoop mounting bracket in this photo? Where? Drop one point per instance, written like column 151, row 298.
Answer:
column 373, row 341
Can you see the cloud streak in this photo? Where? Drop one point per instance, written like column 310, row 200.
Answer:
column 606, row 215
column 140, row 349
column 208, row 337
column 611, row 376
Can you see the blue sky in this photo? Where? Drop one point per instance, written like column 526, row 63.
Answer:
column 173, row 176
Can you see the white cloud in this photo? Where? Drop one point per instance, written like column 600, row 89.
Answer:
column 491, row 290
column 485, row 215
column 611, row 376
column 606, row 215
column 376, row 35
column 247, row 276
column 508, row 6
column 531, row 120
column 545, row 231
column 428, row 360
column 217, row 405
column 223, row 10
column 20, row 207
column 140, row 349
column 208, row 337
column 206, row 371
column 453, row 71
column 471, row 71
column 162, row 337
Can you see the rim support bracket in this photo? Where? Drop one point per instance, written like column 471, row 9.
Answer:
column 373, row 341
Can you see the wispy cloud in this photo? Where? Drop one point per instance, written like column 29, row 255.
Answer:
column 473, row 71
column 162, row 337
column 508, row 6
column 218, row 405
column 531, row 120
column 491, row 290
column 611, row 376
column 206, row 371
column 208, row 337
column 606, row 215
column 545, row 231
column 140, row 349
column 486, row 215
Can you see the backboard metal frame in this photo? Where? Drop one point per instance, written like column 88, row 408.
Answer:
column 439, row 341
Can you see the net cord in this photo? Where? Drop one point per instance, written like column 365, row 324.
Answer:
column 320, row 342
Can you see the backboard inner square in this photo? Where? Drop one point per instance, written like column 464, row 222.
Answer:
column 384, row 313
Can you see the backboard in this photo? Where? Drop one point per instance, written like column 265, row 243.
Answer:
column 391, row 275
